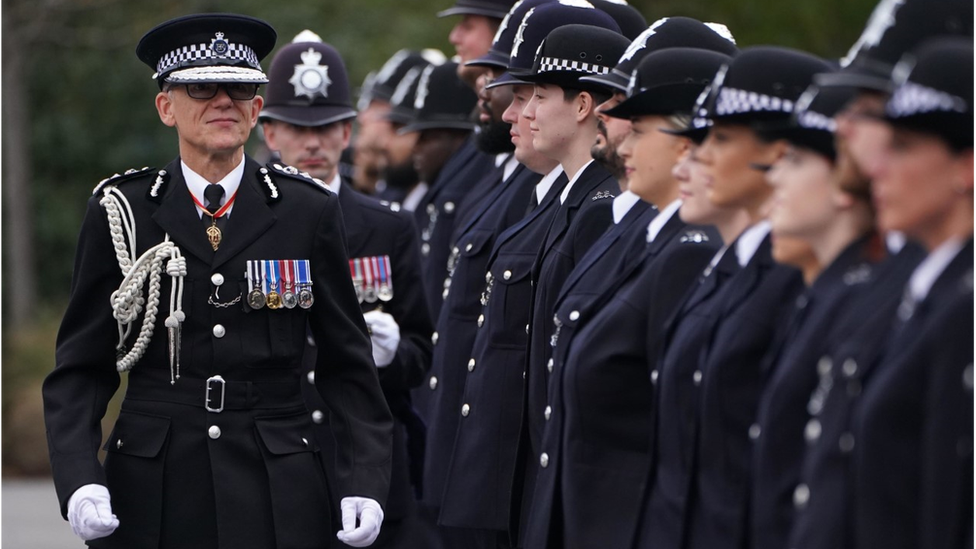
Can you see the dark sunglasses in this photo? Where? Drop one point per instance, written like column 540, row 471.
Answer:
column 235, row 90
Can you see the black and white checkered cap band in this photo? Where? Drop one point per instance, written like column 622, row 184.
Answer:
column 815, row 121
column 735, row 101
column 550, row 64
column 198, row 52
column 911, row 99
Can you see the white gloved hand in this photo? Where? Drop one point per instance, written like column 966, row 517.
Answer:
column 385, row 334
column 370, row 516
column 90, row 512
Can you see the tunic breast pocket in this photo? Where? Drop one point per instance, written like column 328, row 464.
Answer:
column 273, row 338
column 469, row 272
column 511, row 300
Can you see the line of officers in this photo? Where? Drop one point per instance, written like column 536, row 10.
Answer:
column 663, row 291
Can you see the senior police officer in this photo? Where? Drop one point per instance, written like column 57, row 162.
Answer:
column 213, row 446
column 307, row 119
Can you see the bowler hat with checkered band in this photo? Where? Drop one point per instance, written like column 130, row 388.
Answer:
column 895, row 28
column 308, row 86
column 495, row 9
column 761, row 85
column 208, row 47
column 668, row 32
column 668, row 82
column 442, row 100
column 934, row 91
column 572, row 51
column 538, row 23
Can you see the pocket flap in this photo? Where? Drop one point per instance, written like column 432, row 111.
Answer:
column 475, row 243
column 512, row 270
column 286, row 434
column 137, row 434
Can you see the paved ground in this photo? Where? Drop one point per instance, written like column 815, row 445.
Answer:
column 31, row 519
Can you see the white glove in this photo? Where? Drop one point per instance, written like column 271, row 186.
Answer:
column 385, row 334
column 90, row 512
column 370, row 516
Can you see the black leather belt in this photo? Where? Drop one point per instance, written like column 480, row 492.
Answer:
column 215, row 394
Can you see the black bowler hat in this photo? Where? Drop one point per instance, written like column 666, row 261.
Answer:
column 538, row 23
column 668, row 32
column 442, row 100
column 668, row 82
column 501, row 46
column 308, row 86
column 762, row 84
column 934, row 91
column 812, row 124
column 895, row 28
column 630, row 21
column 489, row 8
column 381, row 85
column 209, row 47
column 401, row 102
column 573, row 51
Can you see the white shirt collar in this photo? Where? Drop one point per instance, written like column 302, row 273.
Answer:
column 929, row 270
column 895, row 241
column 544, row 184
column 509, row 168
column 623, row 203
column 336, row 184
column 656, row 224
column 196, row 183
column 414, row 197
column 569, row 186
column 748, row 243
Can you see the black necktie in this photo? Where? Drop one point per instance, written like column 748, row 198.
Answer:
column 533, row 202
column 213, row 193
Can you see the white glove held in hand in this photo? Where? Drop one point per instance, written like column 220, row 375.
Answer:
column 385, row 334
column 370, row 516
column 90, row 512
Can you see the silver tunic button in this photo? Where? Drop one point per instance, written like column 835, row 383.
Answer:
column 801, row 496
column 481, row 320
column 574, row 316
column 433, row 338
column 697, row 377
column 850, row 367
column 432, row 382
column 219, row 331
column 318, row 417
column 824, row 365
column 217, row 279
column 967, row 377
column 465, row 410
column 425, row 248
column 549, row 366
column 471, row 365
column 449, row 207
column 812, row 431
column 846, row 443
column 507, row 275
column 431, row 209
column 455, row 251
column 548, row 412
column 754, row 431
column 526, row 329
column 311, row 377
column 468, row 247
column 118, row 444
column 544, row 460
column 654, row 375
column 305, row 442
column 214, row 432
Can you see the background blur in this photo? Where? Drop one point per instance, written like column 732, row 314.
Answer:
column 77, row 106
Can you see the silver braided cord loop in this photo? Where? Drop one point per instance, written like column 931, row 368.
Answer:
column 128, row 301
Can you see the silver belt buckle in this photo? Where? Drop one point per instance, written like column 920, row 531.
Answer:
column 207, row 400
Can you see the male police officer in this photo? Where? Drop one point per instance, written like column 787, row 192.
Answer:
column 307, row 119
column 213, row 446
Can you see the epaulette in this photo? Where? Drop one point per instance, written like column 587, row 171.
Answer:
column 393, row 206
column 131, row 173
column 694, row 236
column 272, row 190
column 601, row 195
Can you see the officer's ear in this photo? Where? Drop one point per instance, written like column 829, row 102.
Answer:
column 256, row 105
column 346, row 133
column 270, row 134
column 164, row 106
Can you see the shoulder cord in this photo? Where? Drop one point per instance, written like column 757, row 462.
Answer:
column 128, row 301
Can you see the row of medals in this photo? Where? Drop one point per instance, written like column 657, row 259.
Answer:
column 371, row 292
column 287, row 299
